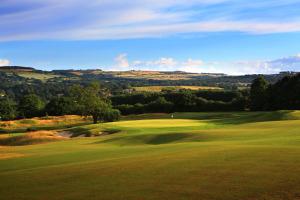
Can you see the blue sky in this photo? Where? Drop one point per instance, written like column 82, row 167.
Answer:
column 226, row 36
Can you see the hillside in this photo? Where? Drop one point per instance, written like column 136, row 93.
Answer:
column 15, row 75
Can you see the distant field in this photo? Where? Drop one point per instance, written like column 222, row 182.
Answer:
column 206, row 156
column 159, row 75
column 39, row 76
column 160, row 88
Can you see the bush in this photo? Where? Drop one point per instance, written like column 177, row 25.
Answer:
column 112, row 115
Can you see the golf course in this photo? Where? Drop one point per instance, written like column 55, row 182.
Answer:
column 207, row 156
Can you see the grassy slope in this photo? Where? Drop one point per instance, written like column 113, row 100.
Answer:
column 194, row 156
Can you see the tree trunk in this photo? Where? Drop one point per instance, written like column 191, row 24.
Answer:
column 95, row 118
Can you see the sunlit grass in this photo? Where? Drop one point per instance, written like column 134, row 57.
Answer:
column 206, row 156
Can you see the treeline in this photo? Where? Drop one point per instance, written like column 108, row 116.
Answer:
column 263, row 96
column 85, row 101
column 283, row 95
column 14, row 85
column 180, row 101
column 92, row 100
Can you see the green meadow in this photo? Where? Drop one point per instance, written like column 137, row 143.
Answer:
column 201, row 156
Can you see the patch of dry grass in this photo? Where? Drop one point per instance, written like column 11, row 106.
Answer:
column 30, row 138
column 42, row 122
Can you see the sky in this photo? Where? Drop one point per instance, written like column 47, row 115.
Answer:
column 210, row 36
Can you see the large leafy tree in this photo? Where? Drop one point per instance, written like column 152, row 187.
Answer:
column 285, row 94
column 31, row 105
column 258, row 94
column 7, row 109
column 93, row 101
column 60, row 106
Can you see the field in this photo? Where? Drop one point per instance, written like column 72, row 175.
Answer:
column 207, row 156
column 40, row 76
column 160, row 88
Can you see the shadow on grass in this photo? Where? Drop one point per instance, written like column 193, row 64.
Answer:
column 252, row 117
column 157, row 139
column 222, row 118
column 168, row 138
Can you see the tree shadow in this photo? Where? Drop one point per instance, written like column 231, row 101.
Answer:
column 252, row 117
column 150, row 139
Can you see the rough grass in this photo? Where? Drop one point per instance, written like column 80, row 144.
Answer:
column 207, row 156
column 160, row 88
column 43, row 123
column 30, row 138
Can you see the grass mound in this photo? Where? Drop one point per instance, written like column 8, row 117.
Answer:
column 30, row 138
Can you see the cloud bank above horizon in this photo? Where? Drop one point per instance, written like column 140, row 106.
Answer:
column 119, row 19
column 122, row 63
column 199, row 66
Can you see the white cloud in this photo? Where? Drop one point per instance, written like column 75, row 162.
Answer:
column 119, row 19
column 4, row 62
column 122, row 62
column 251, row 67
column 165, row 62
column 200, row 66
column 192, row 63
column 292, row 62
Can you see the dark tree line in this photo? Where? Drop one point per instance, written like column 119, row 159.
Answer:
column 283, row 95
column 180, row 101
column 263, row 96
column 85, row 101
column 92, row 100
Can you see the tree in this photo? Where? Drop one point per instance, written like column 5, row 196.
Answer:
column 183, row 100
column 258, row 94
column 92, row 101
column 76, row 94
column 31, row 106
column 160, row 105
column 97, row 109
column 285, row 94
column 7, row 109
column 60, row 106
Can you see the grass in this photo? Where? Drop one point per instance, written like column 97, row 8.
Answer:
column 30, row 138
column 48, row 123
column 203, row 156
column 160, row 88
column 39, row 76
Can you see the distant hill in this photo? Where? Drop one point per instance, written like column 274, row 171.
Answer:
column 16, row 68
column 30, row 78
